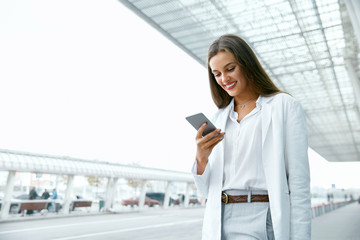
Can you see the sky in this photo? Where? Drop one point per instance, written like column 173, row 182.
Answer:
column 90, row 79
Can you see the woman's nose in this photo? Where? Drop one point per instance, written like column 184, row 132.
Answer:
column 224, row 78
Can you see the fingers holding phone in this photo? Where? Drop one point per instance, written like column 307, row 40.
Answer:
column 206, row 144
column 207, row 137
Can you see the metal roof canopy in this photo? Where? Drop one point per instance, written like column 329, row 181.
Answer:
column 308, row 47
column 41, row 163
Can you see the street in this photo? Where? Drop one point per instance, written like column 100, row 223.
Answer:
column 159, row 224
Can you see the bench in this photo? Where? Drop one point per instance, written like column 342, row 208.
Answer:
column 33, row 205
column 81, row 203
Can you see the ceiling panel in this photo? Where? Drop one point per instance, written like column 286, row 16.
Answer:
column 304, row 45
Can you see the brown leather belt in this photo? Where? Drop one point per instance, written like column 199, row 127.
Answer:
column 225, row 198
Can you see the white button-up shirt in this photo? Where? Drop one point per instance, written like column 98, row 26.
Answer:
column 243, row 167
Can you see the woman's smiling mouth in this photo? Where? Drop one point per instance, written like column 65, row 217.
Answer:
column 230, row 86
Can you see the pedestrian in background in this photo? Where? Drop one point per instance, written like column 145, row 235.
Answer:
column 54, row 194
column 45, row 194
column 53, row 197
column 256, row 176
column 33, row 194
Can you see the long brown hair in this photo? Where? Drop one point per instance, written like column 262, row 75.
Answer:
column 258, row 80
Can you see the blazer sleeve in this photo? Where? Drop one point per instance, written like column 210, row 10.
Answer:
column 298, row 173
column 202, row 181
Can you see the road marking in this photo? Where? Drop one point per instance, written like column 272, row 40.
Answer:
column 129, row 229
column 70, row 225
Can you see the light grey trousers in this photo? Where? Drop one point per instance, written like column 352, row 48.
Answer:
column 245, row 221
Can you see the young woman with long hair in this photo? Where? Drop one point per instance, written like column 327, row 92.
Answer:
column 253, row 170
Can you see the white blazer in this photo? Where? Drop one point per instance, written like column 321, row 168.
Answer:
column 286, row 167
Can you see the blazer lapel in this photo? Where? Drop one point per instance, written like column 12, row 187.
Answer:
column 221, row 124
column 265, row 118
column 218, row 152
column 223, row 118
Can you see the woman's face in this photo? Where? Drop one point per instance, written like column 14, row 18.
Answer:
column 228, row 74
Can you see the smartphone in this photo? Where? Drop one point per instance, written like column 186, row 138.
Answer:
column 198, row 119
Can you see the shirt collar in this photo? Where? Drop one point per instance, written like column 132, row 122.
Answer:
column 259, row 101
column 233, row 115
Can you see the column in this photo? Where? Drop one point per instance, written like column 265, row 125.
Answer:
column 107, row 204
column 5, row 206
column 142, row 194
column 67, row 200
column 167, row 195
column 110, row 192
column 113, row 191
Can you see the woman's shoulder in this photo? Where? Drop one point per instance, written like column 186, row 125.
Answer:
column 282, row 97
column 285, row 102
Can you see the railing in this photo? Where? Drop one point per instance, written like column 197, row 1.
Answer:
column 328, row 207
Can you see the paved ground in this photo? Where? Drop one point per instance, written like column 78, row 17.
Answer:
column 156, row 224
column 160, row 224
column 340, row 224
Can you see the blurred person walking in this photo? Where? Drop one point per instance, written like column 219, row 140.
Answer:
column 256, row 176
column 53, row 197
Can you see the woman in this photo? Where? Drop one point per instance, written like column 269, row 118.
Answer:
column 256, row 176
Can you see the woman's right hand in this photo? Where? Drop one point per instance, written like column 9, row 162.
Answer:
column 205, row 145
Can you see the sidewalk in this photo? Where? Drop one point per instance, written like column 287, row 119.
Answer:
column 341, row 224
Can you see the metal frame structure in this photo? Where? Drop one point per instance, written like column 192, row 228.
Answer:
column 16, row 161
column 310, row 48
column 41, row 163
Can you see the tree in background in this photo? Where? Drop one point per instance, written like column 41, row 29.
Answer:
column 96, row 182
column 134, row 183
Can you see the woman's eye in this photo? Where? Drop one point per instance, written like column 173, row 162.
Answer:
column 231, row 69
column 217, row 74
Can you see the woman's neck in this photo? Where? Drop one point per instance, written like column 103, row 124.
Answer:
column 243, row 99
